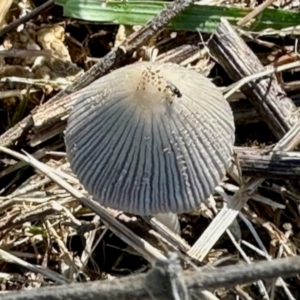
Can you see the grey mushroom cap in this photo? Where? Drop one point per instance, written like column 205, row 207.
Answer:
column 150, row 138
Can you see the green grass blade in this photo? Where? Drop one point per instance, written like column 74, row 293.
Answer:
column 196, row 17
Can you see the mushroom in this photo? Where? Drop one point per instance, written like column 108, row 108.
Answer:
column 150, row 138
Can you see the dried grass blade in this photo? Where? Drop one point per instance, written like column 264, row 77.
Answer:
column 144, row 248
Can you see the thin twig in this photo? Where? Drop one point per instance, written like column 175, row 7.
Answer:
column 257, row 10
column 7, row 257
column 270, row 70
column 24, row 53
column 47, row 5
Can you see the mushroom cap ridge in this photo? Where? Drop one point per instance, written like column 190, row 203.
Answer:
column 150, row 138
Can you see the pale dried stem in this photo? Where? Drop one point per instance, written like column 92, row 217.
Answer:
column 9, row 258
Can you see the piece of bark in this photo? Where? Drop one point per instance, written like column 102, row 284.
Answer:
column 178, row 54
column 279, row 165
column 244, row 112
column 265, row 94
column 110, row 60
column 165, row 280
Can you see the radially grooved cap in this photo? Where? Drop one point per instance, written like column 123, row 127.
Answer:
column 150, row 138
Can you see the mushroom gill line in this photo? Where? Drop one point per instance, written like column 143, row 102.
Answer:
column 100, row 150
column 195, row 174
column 84, row 133
column 171, row 177
column 86, row 118
column 208, row 133
column 216, row 106
column 157, row 178
column 113, row 149
column 136, row 170
column 199, row 150
column 126, row 165
column 89, row 122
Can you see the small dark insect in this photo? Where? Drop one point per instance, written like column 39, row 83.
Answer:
column 174, row 89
